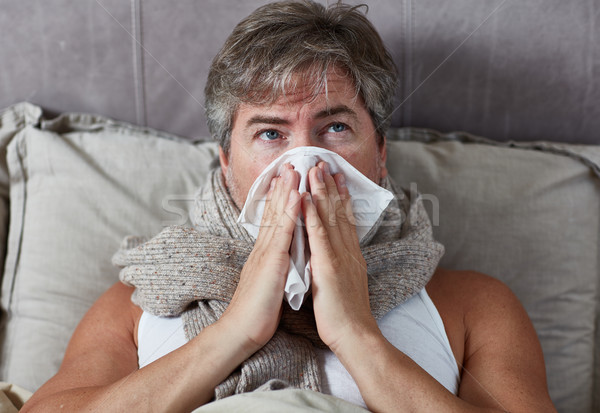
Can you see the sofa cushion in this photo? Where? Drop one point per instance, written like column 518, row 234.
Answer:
column 12, row 120
column 527, row 214
column 80, row 184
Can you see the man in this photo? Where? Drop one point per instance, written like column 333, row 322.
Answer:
column 294, row 75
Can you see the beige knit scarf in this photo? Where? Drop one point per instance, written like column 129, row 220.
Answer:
column 193, row 272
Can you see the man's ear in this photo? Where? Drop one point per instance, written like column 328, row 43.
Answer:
column 224, row 161
column 383, row 157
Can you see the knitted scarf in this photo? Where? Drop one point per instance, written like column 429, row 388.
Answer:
column 193, row 272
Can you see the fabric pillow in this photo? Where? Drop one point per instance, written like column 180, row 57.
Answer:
column 12, row 120
column 526, row 214
column 79, row 185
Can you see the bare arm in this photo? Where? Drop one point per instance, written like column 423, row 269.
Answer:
column 100, row 370
column 100, row 373
column 503, row 367
column 503, row 363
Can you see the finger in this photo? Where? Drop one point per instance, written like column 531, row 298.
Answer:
column 290, row 198
column 318, row 238
column 282, row 209
column 337, row 204
column 273, row 200
column 279, row 195
column 344, row 213
column 269, row 217
column 321, row 199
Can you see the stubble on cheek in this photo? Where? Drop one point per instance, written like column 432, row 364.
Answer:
column 234, row 190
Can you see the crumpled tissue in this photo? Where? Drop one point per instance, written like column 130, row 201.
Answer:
column 369, row 200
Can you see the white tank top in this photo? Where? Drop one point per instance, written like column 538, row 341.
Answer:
column 414, row 327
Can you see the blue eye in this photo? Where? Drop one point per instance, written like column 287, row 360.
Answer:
column 337, row 127
column 269, row 135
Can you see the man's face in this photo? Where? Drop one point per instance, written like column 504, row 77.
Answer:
column 337, row 121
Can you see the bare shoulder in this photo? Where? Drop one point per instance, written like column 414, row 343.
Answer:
column 108, row 329
column 103, row 347
column 469, row 303
column 113, row 316
column 454, row 294
column 476, row 304
column 467, row 285
column 493, row 340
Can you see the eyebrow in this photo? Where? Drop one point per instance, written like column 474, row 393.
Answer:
column 275, row 120
column 336, row 110
column 269, row 120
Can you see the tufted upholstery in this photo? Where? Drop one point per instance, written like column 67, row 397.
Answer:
column 502, row 69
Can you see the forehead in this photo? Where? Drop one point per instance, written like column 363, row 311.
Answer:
column 301, row 90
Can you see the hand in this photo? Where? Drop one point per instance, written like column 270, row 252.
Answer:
column 339, row 286
column 255, row 309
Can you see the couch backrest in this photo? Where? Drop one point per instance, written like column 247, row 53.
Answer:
column 502, row 69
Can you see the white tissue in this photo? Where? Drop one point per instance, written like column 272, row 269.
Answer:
column 369, row 200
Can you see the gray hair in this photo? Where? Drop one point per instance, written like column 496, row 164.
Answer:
column 259, row 60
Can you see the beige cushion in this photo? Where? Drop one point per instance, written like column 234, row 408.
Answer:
column 12, row 397
column 287, row 400
column 528, row 216
column 79, row 187
column 81, row 183
column 12, row 120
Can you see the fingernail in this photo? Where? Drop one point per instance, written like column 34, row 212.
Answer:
column 272, row 183
column 326, row 168
column 286, row 175
column 342, row 180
